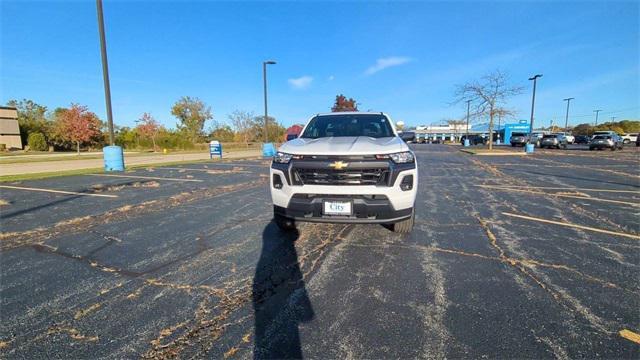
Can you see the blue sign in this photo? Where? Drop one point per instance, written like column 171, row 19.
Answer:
column 215, row 148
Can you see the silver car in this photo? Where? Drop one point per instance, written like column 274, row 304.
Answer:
column 554, row 141
column 600, row 142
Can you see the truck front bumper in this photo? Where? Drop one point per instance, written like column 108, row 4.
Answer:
column 370, row 203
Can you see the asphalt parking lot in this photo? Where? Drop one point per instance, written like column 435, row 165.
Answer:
column 512, row 257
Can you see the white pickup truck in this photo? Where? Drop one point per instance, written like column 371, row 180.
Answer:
column 345, row 167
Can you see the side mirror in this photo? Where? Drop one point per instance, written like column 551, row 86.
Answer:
column 291, row 136
column 407, row 136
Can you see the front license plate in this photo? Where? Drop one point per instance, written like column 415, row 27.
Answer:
column 337, row 207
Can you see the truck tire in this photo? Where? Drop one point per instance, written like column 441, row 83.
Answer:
column 284, row 223
column 404, row 226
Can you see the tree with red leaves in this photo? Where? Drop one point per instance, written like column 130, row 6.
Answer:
column 148, row 127
column 77, row 124
column 344, row 104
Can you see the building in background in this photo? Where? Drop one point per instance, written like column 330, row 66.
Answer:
column 9, row 128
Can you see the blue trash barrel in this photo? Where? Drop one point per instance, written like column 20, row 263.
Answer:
column 268, row 150
column 113, row 158
column 528, row 148
column 466, row 142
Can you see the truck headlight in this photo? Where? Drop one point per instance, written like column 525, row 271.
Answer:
column 402, row 157
column 282, row 158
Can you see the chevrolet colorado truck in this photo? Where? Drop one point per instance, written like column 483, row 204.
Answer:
column 349, row 167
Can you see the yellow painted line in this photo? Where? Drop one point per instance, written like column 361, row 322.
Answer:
column 56, row 191
column 630, row 335
column 499, row 188
column 146, row 177
column 632, row 236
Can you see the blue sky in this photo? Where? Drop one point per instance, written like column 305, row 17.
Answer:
column 404, row 58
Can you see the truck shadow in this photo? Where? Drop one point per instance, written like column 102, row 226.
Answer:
column 280, row 300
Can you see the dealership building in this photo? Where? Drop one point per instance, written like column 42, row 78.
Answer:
column 454, row 132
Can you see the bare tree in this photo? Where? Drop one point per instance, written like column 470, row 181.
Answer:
column 243, row 122
column 488, row 96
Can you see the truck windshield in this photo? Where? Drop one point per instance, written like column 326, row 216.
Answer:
column 371, row 125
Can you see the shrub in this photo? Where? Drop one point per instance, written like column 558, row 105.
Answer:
column 37, row 142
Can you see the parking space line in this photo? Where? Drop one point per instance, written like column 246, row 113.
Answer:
column 630, row 335
column 563, row 195
column 632, row 236
column 56, row 191
column 146, row 177
column 561, row 188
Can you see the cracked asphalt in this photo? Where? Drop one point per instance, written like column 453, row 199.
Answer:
column 511, row 257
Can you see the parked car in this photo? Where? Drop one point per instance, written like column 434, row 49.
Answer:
column 536, row 138
column 629, row 138
column 600, row 142
column 606, row 132
column 582, row 139
column 570, row 138
column 519, row 139
column 474, row 139
column 554, row 141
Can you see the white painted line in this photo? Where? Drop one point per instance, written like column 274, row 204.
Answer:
column 498, row 188
column 56, row 191
column 561, row 188
column 632, row 236
column 145, row 177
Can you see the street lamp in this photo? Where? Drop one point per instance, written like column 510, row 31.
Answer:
column 105, row 70
column 264, row 77
column 533, row 103
column 596, row 111
column 468, row 105
column 566, row 118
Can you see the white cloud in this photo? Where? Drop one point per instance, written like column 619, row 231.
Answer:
column 331, row 77
column 384, row 63
column 302, row 82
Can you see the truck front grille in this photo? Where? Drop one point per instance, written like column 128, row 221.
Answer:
column 340, row 177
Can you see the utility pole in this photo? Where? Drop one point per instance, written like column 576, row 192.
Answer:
column 566, row 119
column 105, row 71
column 596, row 111
column 468, row 105
column 533, row 102
column 266, row 116
column 613, row 118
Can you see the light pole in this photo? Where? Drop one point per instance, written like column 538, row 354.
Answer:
column 264, row 77
column 596, row 111
column 468, row 105
column 533, row 103
column 566, row 118
column 105, row 71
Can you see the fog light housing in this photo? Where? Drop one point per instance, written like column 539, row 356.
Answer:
column 407, row 183
column 277, row 181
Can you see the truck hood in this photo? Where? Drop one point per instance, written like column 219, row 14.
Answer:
column 344, row 145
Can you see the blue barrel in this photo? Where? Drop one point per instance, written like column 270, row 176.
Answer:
column 113, row 158
column 466, row 142
column 268, row 150
column 529, row 148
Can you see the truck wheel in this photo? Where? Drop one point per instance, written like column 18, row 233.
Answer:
column 404, row 226
column 284, row 223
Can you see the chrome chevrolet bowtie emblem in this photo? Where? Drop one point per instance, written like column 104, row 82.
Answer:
column 338, row 165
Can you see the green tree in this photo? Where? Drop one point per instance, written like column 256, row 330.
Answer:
column 222, row 133
column 31, row 118
column 191, row 113
column 37, row 142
